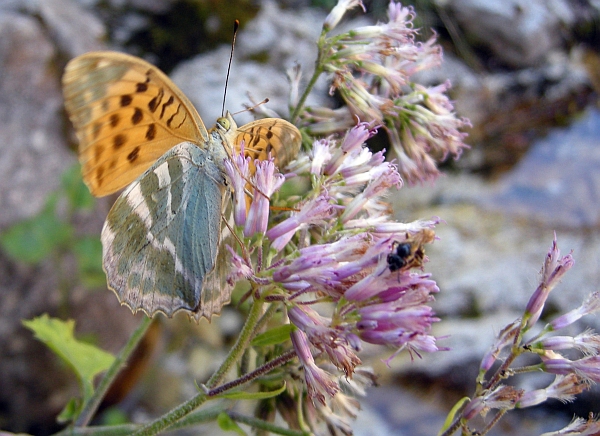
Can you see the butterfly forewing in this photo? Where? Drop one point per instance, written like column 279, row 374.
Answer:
column 161, row 238
column 127, row 114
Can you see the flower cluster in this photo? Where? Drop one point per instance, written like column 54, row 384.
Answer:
column 573, row 376
column 327, row 262
column 371, row 68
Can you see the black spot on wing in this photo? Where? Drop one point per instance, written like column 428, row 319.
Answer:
column 151, row 132
column 137, row 116
column 131, row 157
column 126, row 100
column 119, row 140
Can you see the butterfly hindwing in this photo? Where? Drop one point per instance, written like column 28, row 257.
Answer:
column 161, row 238
column 269, row 135
column 127, row 114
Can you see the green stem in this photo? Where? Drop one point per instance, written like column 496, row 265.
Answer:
column 235, row 353
column 318, row 71
column 92, row 404
column 265, row 425
column 262, row 370
column 452, row 429
column 100, row 430
column 494, row 421
column 246, row 335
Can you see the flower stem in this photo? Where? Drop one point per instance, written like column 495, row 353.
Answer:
column 92, row 404
column 318, row 71
column 235, row 353
column 265, row 425
column 246, row 335
column 267, row 367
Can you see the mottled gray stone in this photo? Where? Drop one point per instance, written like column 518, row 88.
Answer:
column 74, row 29
column 519, row 32
column 283, row 38
column 32, row 144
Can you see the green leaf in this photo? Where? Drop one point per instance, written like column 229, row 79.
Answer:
column 69, row 412
column 450, row 417
column 77, row 193
column 241, row 395
column 34, row 239
column 86, row 360
column 274, row 336
column 227, row 424
column 88, row 251
column 114, row 416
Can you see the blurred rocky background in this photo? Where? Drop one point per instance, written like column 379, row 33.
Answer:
column 525, row 72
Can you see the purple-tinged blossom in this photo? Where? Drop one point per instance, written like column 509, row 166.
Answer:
column 588, row 367
column 266, row 182
column 369, row 258
column 563, row 388
column 372, row 68
column 353, row 141
column 238, row 171
column 338, row 12
column 579, row 427
column 384, row 178
column 314, row 212
column 364, row 167
column 239, row 267
column 505, row 338
column 320, row 155
column 325, row 338
column 388, row 316
column 587, row 342
column 322, row 259
column 552, row 272
column 589, row 306
column 400, row 14
column 294, row 75
column 320, row 384
column 393, row 227
column 503, row 398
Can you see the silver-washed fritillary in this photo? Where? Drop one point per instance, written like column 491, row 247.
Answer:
column 162, row 237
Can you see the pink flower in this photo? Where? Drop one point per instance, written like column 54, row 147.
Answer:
column 552, row 272
column 320, row 383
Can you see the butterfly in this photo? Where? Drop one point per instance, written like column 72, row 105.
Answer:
column 162, row 238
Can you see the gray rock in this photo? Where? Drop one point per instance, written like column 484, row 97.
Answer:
column 32, row 143
column 519, row 32
column 73, row 28
column 282, row 37
column 202, row 79
column 557, row 182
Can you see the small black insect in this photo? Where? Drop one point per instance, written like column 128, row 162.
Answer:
column 397, row 259
column 410, row 253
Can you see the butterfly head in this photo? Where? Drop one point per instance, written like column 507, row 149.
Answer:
column 226, row 124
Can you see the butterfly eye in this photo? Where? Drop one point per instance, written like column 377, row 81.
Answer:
column 223, row 123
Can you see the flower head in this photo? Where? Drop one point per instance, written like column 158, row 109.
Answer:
column 372, row 69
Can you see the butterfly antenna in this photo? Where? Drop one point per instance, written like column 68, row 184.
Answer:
column 236, row 25
column 251, row 108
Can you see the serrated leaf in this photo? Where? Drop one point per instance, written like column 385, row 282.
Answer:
column 227, row 424
column 88, row 251
column 77, row 193
column 36, row 238
column 86, row 360
column 241, row 395
column 274, row 336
